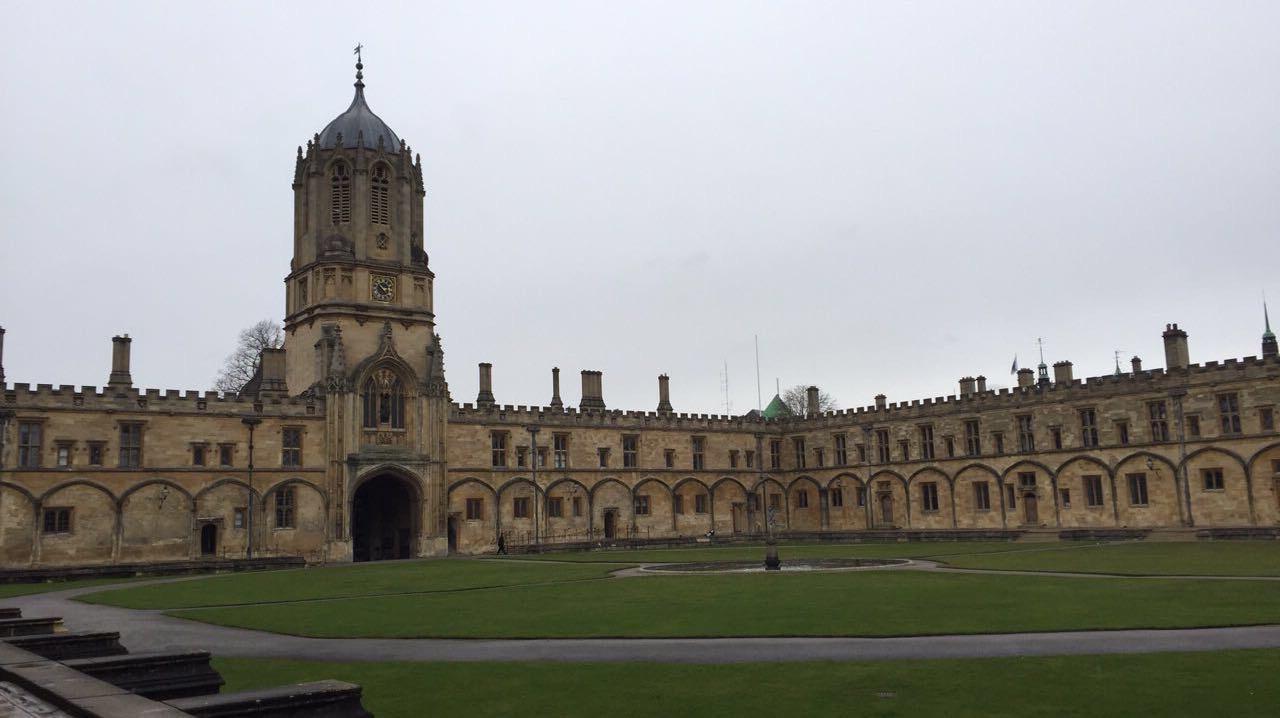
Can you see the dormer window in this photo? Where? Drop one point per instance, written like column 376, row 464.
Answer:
column 340, row 193
column 379, row 195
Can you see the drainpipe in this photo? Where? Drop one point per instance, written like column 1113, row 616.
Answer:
column 251, row 422
column 5, row 416
column 533, row 450
column 1182, row 455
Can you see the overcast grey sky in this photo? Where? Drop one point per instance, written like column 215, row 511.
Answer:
column 891, row 195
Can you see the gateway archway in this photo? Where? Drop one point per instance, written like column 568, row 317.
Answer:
column 384, row 519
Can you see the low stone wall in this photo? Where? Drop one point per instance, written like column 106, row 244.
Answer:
column 130, row 570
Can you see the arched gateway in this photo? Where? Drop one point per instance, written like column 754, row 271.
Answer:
column 385, row 518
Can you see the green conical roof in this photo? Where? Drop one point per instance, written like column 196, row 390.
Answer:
column 777, row 408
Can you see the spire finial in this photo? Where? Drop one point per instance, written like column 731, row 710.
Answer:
column 1266, row 318
column 359, row 64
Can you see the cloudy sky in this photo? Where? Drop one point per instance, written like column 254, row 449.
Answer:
column 891, row 195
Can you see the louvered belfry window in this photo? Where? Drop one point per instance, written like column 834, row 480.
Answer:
column 380, row 196
column 340, row 193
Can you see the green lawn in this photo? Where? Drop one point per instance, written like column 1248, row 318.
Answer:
column 924, row 549
column 339, row 581
column 1217, row 558
column 9, row 590
column 868, row 603
column 451, row 575
column 1230, row 683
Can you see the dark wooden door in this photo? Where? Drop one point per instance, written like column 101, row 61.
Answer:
column 886, row 510
column 1029, row 506
column 209, row 540
column 610, row 524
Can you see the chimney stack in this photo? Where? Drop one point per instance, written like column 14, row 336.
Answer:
column 592, row 391
column 1136, row 363
column 1062, row 373
column 555, row 388
column 664, row 394
column 1026, row 378
column 485, row 398
column 881, row 401
column 120, row 379
column 273, row 382
column 982, row 384
column 1175, row 348
column 813, row 397
column 966, row 386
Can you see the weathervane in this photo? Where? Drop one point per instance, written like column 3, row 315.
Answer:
column 356, row 51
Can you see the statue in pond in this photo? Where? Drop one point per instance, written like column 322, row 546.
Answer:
column 771, row 560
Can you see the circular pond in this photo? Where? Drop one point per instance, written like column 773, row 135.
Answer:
column 788, row 565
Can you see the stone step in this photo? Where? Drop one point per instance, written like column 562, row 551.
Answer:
column 76, row 644
column 64, row 691
column 10, row 612
column 322, row 699
column 10, row 627
column 159, row 676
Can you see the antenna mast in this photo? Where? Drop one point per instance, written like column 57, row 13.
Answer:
column 759, row 403
column 724, row 387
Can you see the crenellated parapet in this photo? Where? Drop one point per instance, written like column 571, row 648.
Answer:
column 167, row 401
column 1104, row 387
column 570, row 417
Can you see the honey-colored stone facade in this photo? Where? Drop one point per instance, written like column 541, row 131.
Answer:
column 1180, row 479
column 359, row 453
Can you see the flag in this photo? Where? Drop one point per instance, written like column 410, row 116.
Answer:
column 1014, row 368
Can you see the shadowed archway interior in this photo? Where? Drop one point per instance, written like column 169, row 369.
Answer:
column 382, row 519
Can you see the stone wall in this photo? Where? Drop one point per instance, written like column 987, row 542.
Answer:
column 156, row 511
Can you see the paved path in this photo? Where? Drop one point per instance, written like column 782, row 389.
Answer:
column 153, row 631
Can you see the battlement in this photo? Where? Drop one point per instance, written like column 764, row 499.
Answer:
column 615, row 418
column 68, row 396
column 1009, row 398
column 1097, row 387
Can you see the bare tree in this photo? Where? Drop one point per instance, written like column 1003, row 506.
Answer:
column 797, row 400
column 242, row 364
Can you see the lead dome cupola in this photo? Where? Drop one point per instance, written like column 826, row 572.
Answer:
column 358, row 125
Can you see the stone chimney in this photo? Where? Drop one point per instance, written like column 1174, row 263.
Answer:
column 982, row 384
column 1136, row 363
column 664, row 394
column 813, row 401
column 485, row 398
column 1175, row 348
column 592, row 391
column 966, row 385
column 120, row 379
column 882, row 401
column 1026, row 378
column 273, row 373
column 555, row 388
column 1062, row 373
column 1, row 357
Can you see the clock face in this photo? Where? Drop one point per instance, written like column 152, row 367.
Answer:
column 383, row 288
